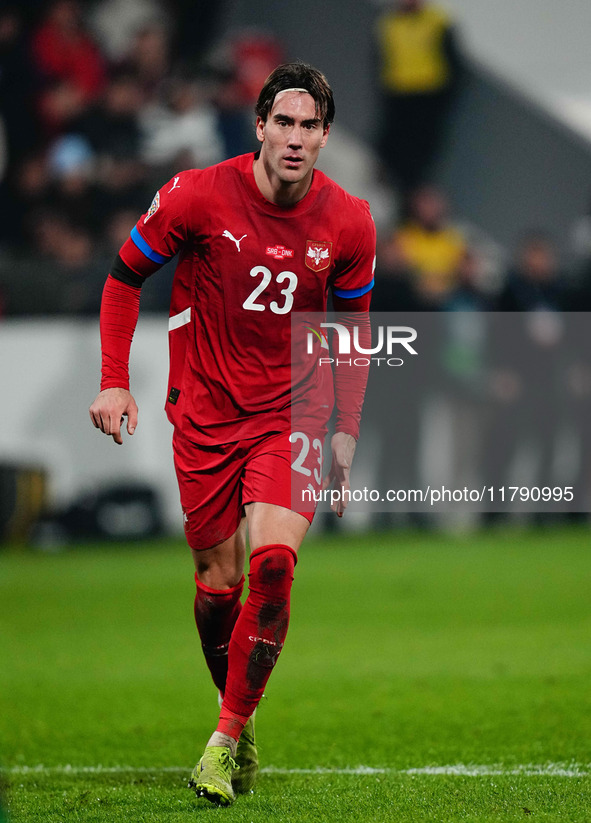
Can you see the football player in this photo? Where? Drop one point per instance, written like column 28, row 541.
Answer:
column 259, row 237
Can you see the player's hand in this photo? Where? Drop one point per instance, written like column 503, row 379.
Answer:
column 109, row 409
column 343, row 448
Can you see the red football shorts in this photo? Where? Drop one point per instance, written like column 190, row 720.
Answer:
column 217, row 482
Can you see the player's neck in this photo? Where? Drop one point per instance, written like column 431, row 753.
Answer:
column 277, row 191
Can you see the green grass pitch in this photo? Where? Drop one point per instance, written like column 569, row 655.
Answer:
column 425, row 677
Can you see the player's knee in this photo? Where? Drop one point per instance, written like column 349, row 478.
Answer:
column 272, row 567
column 216, row 574
column 219, row 579
column 209, row 598
column 222, row 566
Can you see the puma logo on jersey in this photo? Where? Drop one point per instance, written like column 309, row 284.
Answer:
column 233, row 239
column 175, row 184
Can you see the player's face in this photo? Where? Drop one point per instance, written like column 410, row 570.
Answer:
column 291, row 137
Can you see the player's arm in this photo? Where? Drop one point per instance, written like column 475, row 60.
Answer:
column 351, row 292
column 143, row 253
column 350, row 384
column 120, row 306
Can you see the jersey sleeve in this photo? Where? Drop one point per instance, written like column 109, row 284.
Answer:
column 156, row 237
column 161, row 230
column 120, row 307
column 350, row 375
column 354, row 276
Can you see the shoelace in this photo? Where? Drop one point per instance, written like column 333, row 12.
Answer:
column 223, row 763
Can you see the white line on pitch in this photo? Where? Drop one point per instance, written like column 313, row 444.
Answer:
column 456, row 770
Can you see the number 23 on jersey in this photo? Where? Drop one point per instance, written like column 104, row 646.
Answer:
column 290, row 278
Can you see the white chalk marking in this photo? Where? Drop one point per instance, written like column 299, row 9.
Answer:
column 455, row 770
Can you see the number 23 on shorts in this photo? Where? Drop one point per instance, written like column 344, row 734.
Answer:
column 304, row 449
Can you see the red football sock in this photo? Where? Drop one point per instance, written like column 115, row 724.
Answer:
column 258, row 635
column 216, row 612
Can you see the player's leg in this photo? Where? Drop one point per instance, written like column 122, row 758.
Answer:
column 259, row 634
column 219, row 580
column 209, row 481
column 276, row 534
column 256, row 641
column 269, row 523
column 209, row 484
column 274, row 479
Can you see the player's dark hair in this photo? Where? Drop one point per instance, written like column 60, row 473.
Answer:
column 297, row 76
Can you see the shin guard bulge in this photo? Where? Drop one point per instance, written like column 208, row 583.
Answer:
column 216, row 612
column 258, row 635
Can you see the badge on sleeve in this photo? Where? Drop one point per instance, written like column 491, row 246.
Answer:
column 154, row 207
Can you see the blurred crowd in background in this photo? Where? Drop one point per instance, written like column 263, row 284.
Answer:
column 102, row 101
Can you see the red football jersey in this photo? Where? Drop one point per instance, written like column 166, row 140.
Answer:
column 244, row 266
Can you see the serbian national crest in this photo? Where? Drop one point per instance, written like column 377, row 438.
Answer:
column 154, row 207
column 318, row 255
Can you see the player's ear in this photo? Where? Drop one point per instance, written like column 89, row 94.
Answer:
column 260, row 129
column 325, row 136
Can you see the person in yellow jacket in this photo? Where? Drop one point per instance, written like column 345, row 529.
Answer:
column 419, row 71
column 426, row 249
